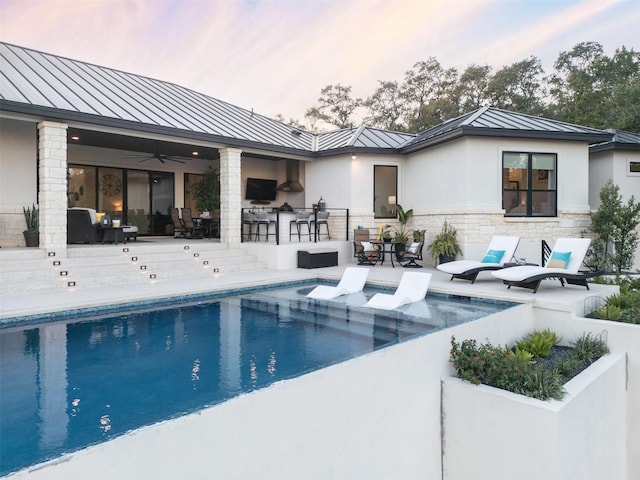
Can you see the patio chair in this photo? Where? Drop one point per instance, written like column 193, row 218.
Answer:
column 500, row 251
column 370, row 254
column 178, row 227
column 191, row 228
column 413, row 287
column 82, row 226
column 412, row 253
column 563, row 265
column 352, row 281
column 363, row 249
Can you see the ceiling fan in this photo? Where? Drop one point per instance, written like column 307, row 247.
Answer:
column 161, row 157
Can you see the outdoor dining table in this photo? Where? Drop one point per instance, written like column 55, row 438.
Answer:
column 386, row 248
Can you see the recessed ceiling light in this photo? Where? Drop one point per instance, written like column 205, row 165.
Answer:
column 75, row 137
column 195, row 154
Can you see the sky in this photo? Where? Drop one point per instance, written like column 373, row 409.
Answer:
column 275, row 56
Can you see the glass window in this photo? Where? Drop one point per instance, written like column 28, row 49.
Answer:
column 110, row 196
column 529, row 184
column 385, row 191
column 81, row 186
column 634, row 167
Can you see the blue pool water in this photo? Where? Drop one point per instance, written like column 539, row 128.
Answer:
column 71, row 383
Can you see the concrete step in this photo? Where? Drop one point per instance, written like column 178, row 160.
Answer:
column 30, row 270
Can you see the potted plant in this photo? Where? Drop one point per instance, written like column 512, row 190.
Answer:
column 386, row 233
column 401, row 236
column 445, row 245
column 32, row 233
column 206, row 193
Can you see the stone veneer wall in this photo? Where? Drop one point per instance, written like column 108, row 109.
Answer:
column 478, row 228
column 52, row 193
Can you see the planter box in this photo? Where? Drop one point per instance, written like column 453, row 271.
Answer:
column 501, row 435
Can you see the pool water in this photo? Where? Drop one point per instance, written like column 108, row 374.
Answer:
column 65, row 385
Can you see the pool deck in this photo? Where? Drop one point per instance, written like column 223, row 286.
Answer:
column 550, row 295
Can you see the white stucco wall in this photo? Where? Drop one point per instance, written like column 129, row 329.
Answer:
column 498, row 433
column 614, row 165
column 18, row 177
column 466, row 175
column 329, row 178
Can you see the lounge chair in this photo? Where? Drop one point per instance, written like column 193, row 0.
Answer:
column 352, row 281
column 412, row 288
column 501, row 250
column 563, row 264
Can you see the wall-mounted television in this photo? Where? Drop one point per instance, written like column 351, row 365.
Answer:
column 261, row 189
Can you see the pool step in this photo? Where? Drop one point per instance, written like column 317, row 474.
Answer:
column 389, row 326
column 27, row 270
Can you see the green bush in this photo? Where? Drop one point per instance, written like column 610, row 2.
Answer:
column 539, row 343
column 501, row 368
column 608, row 312
column 516, row 370
column 623, row 306
column 588, row 348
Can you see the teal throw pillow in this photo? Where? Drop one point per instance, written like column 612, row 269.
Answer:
column 559, row 260
column 493, row 256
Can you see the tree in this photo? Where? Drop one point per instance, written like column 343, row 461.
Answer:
column 336, row 106
column 428, row 93
column 385, row 107
column 473, row 88
column 590, row 88
column 615, row 224
column 518, row 87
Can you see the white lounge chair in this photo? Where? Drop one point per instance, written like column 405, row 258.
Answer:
column 352, row 281
column 563, row 264
column 413, row 287
column 501, row 250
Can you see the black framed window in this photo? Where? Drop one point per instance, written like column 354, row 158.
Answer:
column 385, row 191
column 529, row 184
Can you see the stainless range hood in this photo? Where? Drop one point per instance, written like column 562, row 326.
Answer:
column 291, row 184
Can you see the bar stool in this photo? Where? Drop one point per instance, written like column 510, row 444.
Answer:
column 302, row 218
column 248, row 220
column 263, row 218
column 322, row 219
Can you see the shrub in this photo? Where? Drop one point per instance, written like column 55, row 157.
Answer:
column 501, row 368
column 589, row 348
column 516, row 370
column 539, row 343
column 608, row 312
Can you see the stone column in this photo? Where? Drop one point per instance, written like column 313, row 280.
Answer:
column 52, row 189
column 230, row 195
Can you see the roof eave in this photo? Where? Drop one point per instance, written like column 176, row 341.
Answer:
column 54, row 114
column 619, row 146
column 499, row 132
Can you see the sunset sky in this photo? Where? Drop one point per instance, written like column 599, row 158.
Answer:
column 276, row 55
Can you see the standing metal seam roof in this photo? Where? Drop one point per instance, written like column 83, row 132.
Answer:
column 36, row 82
column 362, row 137
column 495, row 121
column 621, row 141
column 37, row 79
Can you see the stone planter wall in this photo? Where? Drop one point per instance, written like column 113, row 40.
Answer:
column 501, row 435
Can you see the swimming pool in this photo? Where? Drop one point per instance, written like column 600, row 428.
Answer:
column 72, row 383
